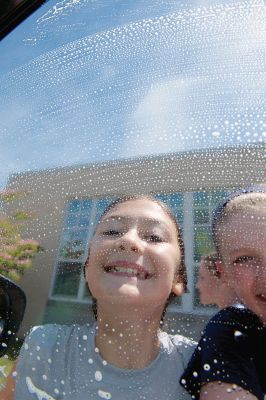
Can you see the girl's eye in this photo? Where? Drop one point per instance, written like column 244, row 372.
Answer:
column 154, row 239
column 112, row 232
column 243, row 259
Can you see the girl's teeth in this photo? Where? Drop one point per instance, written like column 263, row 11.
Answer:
column 127, row 270
column 130, row 271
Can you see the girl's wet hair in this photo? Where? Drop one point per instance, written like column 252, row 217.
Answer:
column 181, row 272
column 240, row 200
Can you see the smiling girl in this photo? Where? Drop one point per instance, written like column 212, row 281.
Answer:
column 135, row 265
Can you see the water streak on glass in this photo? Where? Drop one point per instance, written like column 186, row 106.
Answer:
column 148, row 80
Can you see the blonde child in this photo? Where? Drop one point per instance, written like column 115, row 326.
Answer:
column 229, row 362
column 135, row 265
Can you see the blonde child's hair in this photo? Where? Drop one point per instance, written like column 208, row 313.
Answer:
column 243, row 201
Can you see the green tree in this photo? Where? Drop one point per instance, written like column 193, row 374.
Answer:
column 16, row 253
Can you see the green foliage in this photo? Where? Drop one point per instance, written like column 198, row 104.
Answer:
column 21, row 216
column 16, row 253
column 7, row 196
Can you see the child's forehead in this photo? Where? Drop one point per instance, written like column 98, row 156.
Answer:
column 255, row 215
column 144, row 209
column 132, row 219
column 145, row 213
column 246, row 230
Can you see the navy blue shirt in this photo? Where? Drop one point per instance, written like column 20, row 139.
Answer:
column 232, row 349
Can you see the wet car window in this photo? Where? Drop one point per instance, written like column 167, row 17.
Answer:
column 101, row 99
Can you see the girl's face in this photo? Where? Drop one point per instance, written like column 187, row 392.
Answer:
column 134, row 255
column 207, row 285
column 243, row 249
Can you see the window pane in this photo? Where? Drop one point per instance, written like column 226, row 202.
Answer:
column 87, row 293
column 201, row 217
column 101, row 206
column 74, row 206
column 217, row 197
column 84, row 220
column 85, row 206
column 201, row 199
column 67, row 279
column 71, row 221
column 175, row 200
column 202, row 242
column 72, row 249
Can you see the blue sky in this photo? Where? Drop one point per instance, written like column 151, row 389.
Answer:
column 87, row 81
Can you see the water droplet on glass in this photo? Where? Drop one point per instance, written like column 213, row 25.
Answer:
column 104, row 395
column 98, row 376
column 206, row 367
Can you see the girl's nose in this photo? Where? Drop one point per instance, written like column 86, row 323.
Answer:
column 130, row 241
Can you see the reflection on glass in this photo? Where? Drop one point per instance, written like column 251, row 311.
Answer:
column 160, row 97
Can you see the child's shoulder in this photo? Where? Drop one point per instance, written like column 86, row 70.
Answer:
column 54, row 334
column 182, row 341
column 184, row 345
column 236, row 316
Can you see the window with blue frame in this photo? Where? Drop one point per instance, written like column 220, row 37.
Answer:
column 73, row 248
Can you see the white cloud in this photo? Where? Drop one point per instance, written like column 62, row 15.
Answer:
column 160, row 115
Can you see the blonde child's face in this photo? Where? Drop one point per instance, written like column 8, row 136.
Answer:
column 134, row 256
column 242, row 241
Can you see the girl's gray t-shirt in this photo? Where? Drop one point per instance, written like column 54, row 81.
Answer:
column 61, row 362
